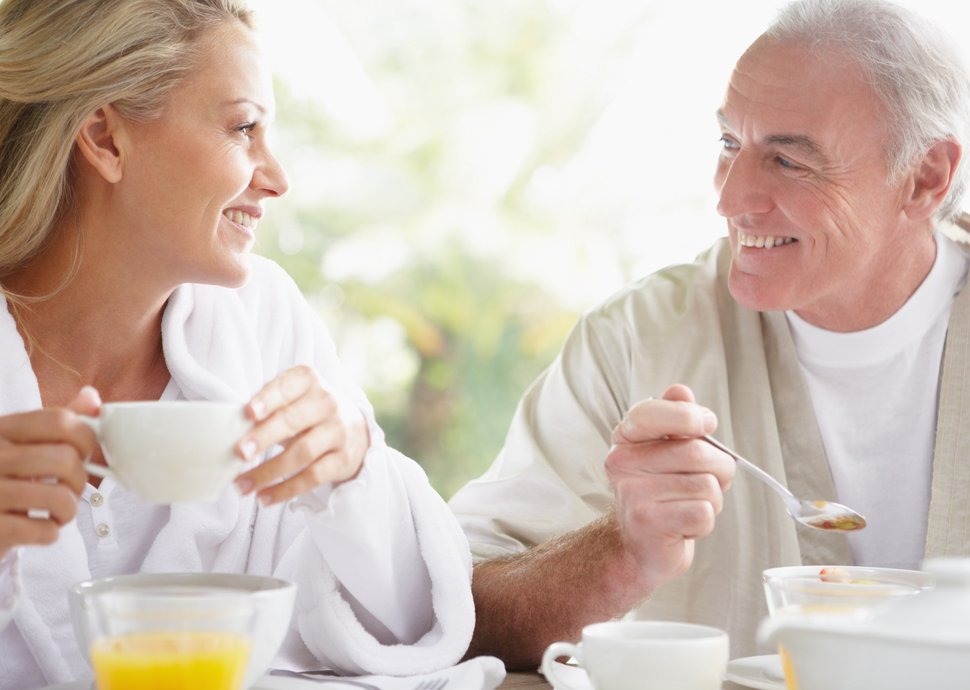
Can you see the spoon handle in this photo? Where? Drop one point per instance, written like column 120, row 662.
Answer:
column 751, row 468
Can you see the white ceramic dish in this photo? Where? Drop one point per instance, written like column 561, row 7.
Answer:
column 758, row 672
column 918, row 641
column 273, row 599
column 572, row 674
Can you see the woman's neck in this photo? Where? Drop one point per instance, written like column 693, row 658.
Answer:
column 91, row 331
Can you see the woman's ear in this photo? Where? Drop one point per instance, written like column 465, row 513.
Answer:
column 931, row 179
column 100, row 142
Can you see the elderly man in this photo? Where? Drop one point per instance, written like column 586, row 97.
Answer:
column 827, row 339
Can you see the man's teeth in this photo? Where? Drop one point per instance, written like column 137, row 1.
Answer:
column 765, row 241
column 240, row 218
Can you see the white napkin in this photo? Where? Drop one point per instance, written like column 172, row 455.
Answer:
column 479, row 673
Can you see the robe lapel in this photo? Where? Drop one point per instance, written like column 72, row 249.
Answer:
column 807, row 470
column 948, row 529
column 45, row 573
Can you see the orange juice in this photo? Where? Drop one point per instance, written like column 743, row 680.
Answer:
column 170, row 661
column 790, row 682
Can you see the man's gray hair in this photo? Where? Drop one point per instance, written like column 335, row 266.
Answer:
column 913, row 67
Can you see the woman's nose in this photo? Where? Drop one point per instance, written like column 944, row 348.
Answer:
column 270, row 176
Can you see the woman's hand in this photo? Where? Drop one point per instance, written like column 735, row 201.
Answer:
column 41, row 470
column 324, row 438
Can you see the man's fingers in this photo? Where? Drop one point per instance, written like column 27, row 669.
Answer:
column 670, row 520
column 678, row 392
column 674, row 456
column 670, row 488
column 653, row 419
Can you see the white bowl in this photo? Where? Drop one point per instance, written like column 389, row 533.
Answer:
column 838, row 589
column 273, row 599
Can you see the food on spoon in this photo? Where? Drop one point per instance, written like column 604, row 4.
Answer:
column 842, row 522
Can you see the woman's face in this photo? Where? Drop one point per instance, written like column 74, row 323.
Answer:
column 195, row 178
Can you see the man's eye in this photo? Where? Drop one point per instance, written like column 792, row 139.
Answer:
column 787, row 164
column 728, row 143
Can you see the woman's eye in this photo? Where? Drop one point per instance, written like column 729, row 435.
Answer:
column 246, row 128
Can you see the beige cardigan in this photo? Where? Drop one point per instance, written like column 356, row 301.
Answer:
column 682, row 325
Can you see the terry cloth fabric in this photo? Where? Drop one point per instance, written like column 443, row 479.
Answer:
column 382, row 568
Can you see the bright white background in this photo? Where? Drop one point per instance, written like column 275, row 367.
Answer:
column 641, row 175
column 467, row 176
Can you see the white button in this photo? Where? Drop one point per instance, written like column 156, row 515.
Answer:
column 97, row 500
column 103, row 530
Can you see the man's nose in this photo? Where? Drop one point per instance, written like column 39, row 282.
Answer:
column 742, row 186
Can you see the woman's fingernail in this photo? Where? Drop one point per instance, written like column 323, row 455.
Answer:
column 258, row 408
column 244, row 485
column 265, row 499
column 248, row 449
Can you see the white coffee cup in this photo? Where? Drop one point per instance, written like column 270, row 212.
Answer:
column 632, row 655
column 170, row 451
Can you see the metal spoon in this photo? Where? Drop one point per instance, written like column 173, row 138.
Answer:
column 824, row 515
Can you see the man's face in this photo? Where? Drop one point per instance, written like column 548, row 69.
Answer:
column 802, row 180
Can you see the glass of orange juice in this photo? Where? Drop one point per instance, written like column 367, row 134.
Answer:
column 169, row 638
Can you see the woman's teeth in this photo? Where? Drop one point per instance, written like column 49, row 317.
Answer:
column 240, row 218
column 765, row 241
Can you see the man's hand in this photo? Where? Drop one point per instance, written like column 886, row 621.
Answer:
column 668, row 485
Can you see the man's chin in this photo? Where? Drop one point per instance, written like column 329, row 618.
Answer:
column 753, row 294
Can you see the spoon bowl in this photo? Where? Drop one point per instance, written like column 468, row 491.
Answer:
column 824, row 515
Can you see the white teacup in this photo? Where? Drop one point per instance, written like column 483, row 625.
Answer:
column 170, row 451
column 632, row 655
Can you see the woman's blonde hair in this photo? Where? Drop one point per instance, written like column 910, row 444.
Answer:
column 61, row 60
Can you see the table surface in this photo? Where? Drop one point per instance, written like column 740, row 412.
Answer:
column 525, row 680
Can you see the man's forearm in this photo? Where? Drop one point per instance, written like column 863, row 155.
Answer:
column 527, row 601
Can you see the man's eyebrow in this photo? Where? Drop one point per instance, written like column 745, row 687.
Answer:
column 803, row 143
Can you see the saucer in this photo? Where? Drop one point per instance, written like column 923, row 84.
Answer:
column 573, row 675
column 759, row 672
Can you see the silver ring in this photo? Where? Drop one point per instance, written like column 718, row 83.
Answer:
column 39, row 514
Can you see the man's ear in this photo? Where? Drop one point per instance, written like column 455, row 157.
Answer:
column 931, row 179
column 100, row 142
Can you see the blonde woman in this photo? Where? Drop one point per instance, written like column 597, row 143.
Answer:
column 134, row 167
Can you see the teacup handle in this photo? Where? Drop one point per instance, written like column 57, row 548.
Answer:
column 97, row 470
column 553, row 652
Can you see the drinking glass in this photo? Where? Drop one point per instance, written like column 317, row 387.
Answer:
column 170, row 638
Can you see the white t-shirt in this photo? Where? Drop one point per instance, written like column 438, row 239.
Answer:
column 875, row 398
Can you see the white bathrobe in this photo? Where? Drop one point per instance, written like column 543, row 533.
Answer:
column 382, row 568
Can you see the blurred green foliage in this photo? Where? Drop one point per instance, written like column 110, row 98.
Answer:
column 414, row 211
